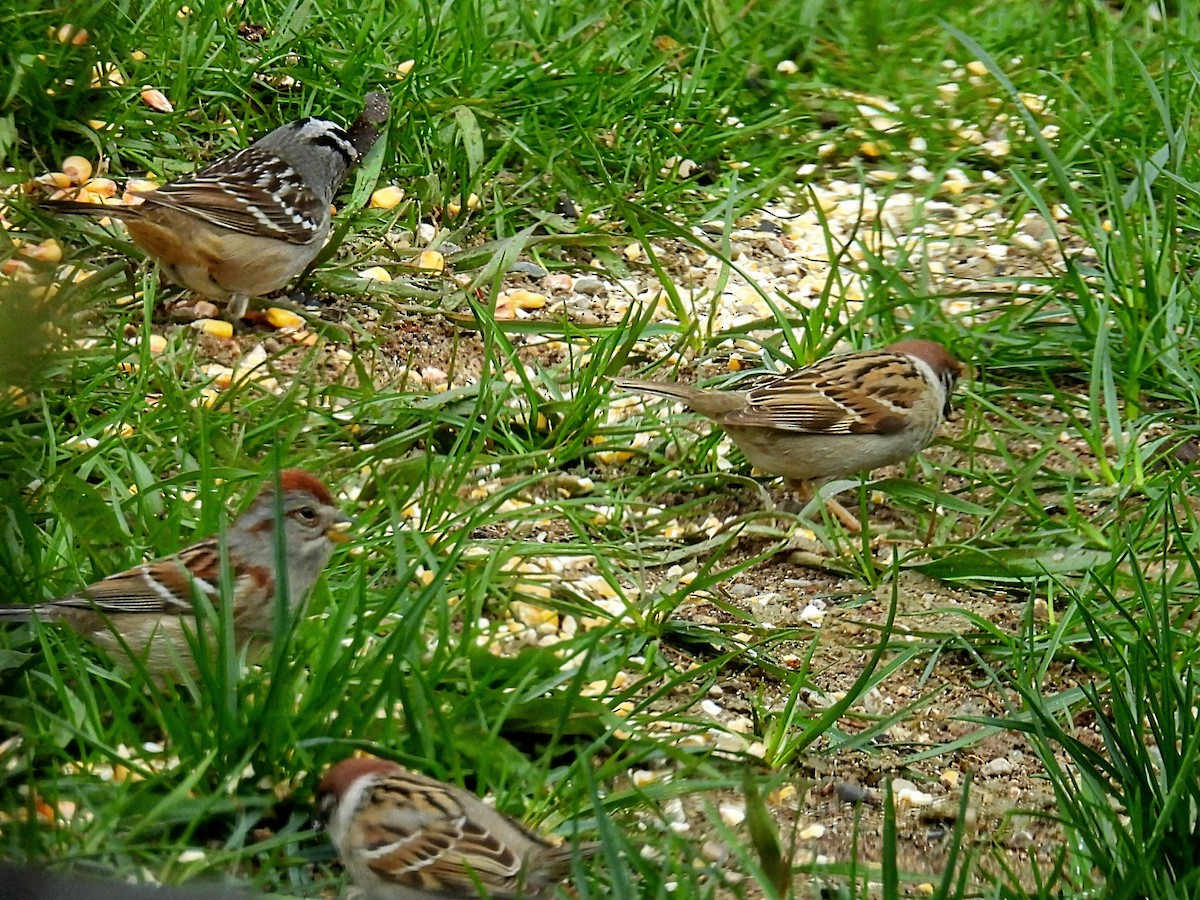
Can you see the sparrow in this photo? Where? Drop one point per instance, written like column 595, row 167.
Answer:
column 848, row 413
column 403, row 836
column 248, row 223
column 147, row 608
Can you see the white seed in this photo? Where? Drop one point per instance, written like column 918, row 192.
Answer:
column 732, row 814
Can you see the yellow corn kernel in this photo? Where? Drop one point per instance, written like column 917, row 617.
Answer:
column 156, row 100
column 77, row 168
column 71, row 34
column 218, row 328
column 47, row 251
column 387, row 197
column 102, row 187
column 454, row 207
column 107, row 75
column 283, row 318
column 432, row 260
column 375, row 273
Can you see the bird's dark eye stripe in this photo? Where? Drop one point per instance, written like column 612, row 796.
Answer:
column 335, row 143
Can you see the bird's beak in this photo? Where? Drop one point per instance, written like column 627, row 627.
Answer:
column 339, row 531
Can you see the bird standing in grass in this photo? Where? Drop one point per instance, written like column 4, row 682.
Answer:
column 250, row 222
column 843, row 414
column 145, row 610
column 402, row 836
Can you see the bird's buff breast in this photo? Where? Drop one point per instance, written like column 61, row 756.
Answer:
column 157, row 642
column 800, row 456
column 164, row 644
column 213, row 262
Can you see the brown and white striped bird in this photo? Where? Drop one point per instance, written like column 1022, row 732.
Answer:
column 848, row 413
column 147, row 608
column 403, row 836
column 247, row 224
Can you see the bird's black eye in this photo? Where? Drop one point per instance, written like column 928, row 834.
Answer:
column 325, row 804
column 307, row 514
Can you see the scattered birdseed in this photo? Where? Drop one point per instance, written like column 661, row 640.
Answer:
column 70, row 34
column 431, row 260
column 106, row 75
column 732, row 814
column 77, row 169
column 283, row 319
column 387, row 197
column 156, row 100
column 375, row 273
column 47, row 251
column 909, row 795
column 455, row 207
column 813, row 613
column 217, row 328
column 513, row 304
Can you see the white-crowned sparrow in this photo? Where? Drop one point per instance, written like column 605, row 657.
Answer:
column 248, row 223
column 402, row 836
column 147, row 608
column 843, row 414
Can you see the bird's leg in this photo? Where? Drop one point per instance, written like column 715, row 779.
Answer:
column 802, row 487
column 235, row 309
column 849, row 521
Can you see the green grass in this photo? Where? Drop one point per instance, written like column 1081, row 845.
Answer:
column 1057, row 490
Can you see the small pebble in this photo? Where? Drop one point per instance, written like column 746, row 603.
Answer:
column 589, row 285
column 848, row 792
column 559, row 281
column 999, row 766
column 533, row 270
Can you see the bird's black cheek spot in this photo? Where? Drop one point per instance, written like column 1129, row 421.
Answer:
column 889, row 424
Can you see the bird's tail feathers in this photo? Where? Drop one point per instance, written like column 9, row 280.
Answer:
column 554, row 863
column 79, row 208
column 657, row 388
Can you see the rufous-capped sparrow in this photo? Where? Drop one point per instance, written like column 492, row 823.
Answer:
column 402, row 836
column 248, row 223
column 148, row 607
column 843, row 414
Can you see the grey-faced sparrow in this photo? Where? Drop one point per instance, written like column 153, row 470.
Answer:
column 843, row 414
column 248, row 223
column 402, row 836
column 147, row 608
